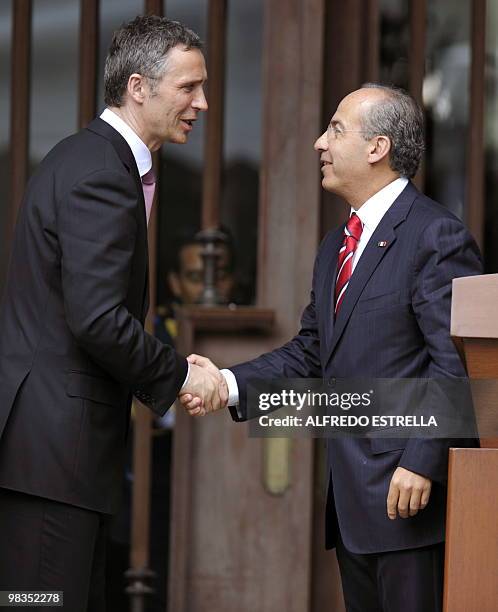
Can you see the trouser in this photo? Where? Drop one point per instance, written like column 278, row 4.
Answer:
column 400, row 581
column 50, row 546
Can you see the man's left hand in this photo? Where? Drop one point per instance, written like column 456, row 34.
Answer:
column 408, row 493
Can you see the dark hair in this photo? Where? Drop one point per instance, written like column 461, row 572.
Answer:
column 400, row 118
column 141, row 46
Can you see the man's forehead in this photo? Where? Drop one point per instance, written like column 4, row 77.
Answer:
column 354, row 104
column 191, row 254
column 186, row 64
column 346, row 112
column 365, row 97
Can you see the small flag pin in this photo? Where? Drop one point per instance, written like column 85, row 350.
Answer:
column 382, row 243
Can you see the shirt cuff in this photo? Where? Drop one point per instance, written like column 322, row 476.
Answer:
column 186, row 377
column 233, row 387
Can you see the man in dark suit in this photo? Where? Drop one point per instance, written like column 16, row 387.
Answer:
column 379, row 308
column 73, row 350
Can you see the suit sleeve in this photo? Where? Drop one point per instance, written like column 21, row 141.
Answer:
column 298, row 358
column 446, row 251
column 97, row 229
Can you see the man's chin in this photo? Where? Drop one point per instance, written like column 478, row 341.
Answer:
column 328, row 185
column 179, row 139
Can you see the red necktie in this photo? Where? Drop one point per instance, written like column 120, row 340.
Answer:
column 149, row 186
column 352, row 234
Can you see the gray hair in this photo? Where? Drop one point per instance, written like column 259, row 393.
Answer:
column 400, row 118
column 141, row 46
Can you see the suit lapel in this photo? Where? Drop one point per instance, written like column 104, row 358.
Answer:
column 371, row 257
column 101, row 127
column 330, row 279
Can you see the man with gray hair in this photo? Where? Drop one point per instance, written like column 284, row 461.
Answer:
column 73, row 350
column 379, row 308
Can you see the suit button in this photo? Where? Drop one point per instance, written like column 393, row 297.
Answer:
column 332, row 382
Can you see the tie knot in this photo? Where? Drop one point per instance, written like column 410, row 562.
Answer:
column 354, row 226
column 149, row 178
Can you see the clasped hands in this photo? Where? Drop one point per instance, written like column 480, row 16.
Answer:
column 206, row 389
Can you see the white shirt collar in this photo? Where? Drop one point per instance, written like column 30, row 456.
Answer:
column 376, row 207
column 141, row 153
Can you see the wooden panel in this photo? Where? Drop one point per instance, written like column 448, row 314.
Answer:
column 481, row 359
column 344, row 30
column 19, row 105
column 471, row 583
column 371, row 43
column 154, row 7
column 342, row 47
column 474, row 205
column 203, row 522
column 211, row 196
column 140, row 505
column 473, row 307
column 418, row 27
column 89, row 39
column 474, row 328
column 240, row 318
column 290, row 176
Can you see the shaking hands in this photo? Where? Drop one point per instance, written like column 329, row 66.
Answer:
column 206, row 389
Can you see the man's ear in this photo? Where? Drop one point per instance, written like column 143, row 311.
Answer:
column 136, row 88
column 174, row 284
column 379, row 148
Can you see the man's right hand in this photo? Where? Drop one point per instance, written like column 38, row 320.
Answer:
column 206, row 389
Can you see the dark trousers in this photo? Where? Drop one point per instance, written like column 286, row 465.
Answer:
column 401, row 581
column 46, row 545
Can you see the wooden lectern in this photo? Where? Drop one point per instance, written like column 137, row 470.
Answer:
column 471, row 564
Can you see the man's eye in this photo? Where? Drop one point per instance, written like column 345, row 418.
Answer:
column 188, row 88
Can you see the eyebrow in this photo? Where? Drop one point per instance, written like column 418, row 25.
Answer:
column 192, row 82
column 335, row 122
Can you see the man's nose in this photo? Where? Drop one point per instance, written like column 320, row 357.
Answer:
column 200, row 102
column 321, row 143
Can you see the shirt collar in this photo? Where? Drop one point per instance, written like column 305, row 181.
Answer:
column 141, row 153
column 376, row 207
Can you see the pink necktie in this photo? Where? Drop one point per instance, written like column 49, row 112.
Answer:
column 148, row 185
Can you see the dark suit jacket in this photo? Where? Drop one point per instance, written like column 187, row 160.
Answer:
column 73, row 348
column 394, row 322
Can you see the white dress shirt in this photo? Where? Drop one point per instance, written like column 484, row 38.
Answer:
column 370, row 213
column 140, row 151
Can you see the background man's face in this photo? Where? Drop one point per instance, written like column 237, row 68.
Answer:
column 187, row 284
column 343, row 149
column 172, row 106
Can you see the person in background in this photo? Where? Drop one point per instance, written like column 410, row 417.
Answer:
column 185, row 281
